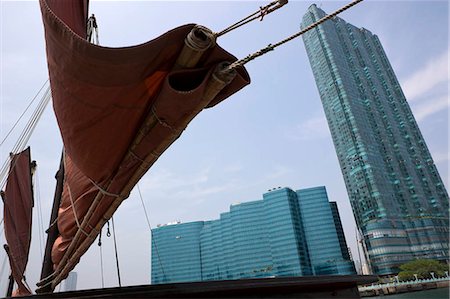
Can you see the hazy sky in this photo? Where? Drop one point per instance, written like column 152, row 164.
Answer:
column 272, row 133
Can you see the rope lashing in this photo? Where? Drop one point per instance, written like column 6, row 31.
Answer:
column 103, row 190
column 72, row 205
column 271, row 47
column 263, row 11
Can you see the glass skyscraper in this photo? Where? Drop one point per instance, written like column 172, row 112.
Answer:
column 400, row 204
column 280, row 235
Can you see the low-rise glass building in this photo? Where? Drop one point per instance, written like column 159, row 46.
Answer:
column 287, row 233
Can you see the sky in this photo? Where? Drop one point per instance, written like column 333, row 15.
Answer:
column 272, row 133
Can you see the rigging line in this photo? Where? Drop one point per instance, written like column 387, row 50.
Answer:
column 263, row 11
column 25, row 135
column 101, row 257
column 143, row 206
column 37, row 192
column 151, row 231
column 24, row 281
column 32, row 122
column 115, row 250
column 271, row 47
column 28, row 130
column 35, row 118
column 23, row 138
column 23, row 113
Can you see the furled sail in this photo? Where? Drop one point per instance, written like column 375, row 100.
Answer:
column 118, row 110
column 18, row 205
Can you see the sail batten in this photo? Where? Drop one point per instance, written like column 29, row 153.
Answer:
column 118, row 110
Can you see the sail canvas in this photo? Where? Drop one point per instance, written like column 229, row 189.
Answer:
column 118, row 110
column 18, row 204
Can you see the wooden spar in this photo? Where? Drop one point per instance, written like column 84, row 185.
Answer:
column 220, row 78
column 52, row 232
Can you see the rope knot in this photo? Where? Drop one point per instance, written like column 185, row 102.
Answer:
column 263, row 11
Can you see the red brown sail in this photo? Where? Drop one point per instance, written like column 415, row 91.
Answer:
column 18, row 205
column 118, row 110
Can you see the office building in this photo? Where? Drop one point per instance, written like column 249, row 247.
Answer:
column 277, row 236
column 398, row 198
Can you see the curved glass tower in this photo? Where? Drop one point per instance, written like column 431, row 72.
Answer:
column 397, row 196
column 287, row 233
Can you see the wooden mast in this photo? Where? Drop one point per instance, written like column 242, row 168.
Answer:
column 52, row 231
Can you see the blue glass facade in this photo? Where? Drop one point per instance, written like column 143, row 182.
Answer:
column 397, row 196
column 176, row 253
column 275, row 236
column 340, row 231
column 321, row 233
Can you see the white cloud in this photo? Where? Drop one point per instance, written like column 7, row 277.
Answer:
column 313, row 128
column 426, row 78
column 423, row 110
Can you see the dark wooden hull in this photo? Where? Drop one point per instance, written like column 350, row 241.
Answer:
column 343, row 286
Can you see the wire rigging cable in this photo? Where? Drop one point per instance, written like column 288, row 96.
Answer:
column 37, row 200
column 151, row 232
column 115, row 251
column 101, row 257
column 271, row 47
column 23, row 113
column 263, row 11
column 26, row 133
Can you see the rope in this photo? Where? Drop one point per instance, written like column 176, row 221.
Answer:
column 162, row 122
column 74, row 211
column 25, row 135
column 103, row 191
column 271, row 47
column 115, row 250
column 26, row 284
column 263, row 11
column 37, row 193
column 101, row 257
column 151, row 232
column 53, row 223
column 23, row 113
